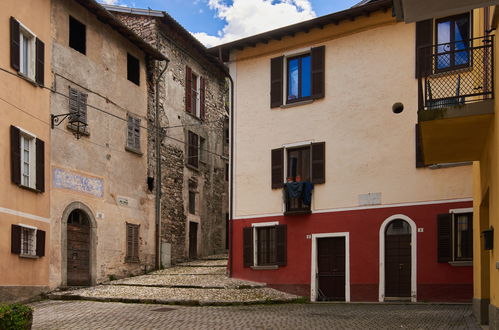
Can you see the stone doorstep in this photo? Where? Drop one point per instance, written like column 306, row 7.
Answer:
column 202, row 266
column 180, row 286
column 183, row 302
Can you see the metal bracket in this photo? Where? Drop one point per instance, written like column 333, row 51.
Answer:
column 56, row 120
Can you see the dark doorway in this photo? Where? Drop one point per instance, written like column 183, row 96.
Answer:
column 78, row 256
column 331, row 268
column 193, row 240
column 398, row 259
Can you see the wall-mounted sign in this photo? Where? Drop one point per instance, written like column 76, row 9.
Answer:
column 65, row 179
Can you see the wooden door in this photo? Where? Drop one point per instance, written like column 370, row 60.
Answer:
column 78, row 249
column 398, row 259
column 331, row 268
column 193, row 240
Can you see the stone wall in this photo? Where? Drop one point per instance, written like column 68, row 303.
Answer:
column 208, row 180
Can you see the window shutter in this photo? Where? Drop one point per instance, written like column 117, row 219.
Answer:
column 444, row 231
column 130, row 133
column 40, row 165
column 248, row 246
column 202, row 92
column 40, row 243
column 277, row 168
column 82, row 106
column 40, row 62
column 419, row 149
column 318, row 74
column 15, row 41
column 136, row 132
column 424, row 37
column 15, row 155
column 281, row 245
column 188, row 89
column 276, row 81
column 318, row 162
column 15, row 239
column 73, row 104
column 136, row 243
column 129, row 241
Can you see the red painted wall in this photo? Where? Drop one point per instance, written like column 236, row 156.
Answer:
column 436, row 281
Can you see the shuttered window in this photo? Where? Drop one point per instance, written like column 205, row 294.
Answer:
column 27, row 155
column 133, row 134
column 455, row 237
column 269, row 243
column 192, row 149
column 77, row 106
column 27, row 241
column 132, row 243
column 195, row 94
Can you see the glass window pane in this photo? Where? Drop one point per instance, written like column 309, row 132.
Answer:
column 444, row 37
column 293, row 79
column 305, row 76
column 461, row 32
column 25, row 54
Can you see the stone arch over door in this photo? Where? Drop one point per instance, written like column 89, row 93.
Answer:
column 64, row 241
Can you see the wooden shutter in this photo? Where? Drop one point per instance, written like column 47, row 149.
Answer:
column 318, row 162
column 277, row 168
column 202, row 94
column 444, row 239
column 318, row 74
column 281, row 245
column 129, row 241
column 73, row 104
column 188, row 89
column 15, row 239
column 419, row 149
column 248, row 246
column 15, row 41
column 40, row 62
column 40, row 243
column 424, row 37
column 15, row 155
column 40, row 165
column 136, row 133
column 276, row 81
column 135, row 242
column 82, row 107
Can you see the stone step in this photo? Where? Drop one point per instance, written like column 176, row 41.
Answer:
column 191, row 271
column 204, row 263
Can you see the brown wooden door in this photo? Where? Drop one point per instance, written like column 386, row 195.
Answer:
column 78, row 255
column 331, row 268
column 398, row 259
column 193, row 240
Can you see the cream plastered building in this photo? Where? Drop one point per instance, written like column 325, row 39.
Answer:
column 25, row 229
column 102, row 209
column 362, row 159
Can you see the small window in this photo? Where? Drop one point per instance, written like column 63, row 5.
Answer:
column 77, row 108
column 77, row 35
column 192, row 149
column 192, row 202
column 455, row 237
column 265, row 245
column 27, row 53
column 195, row 94
column 299, row 76
column 132, row 246
column 133, row 134
column 452, row 37
column 195, row 86
column 28, row 161
column 133, row 69
column 27, row 241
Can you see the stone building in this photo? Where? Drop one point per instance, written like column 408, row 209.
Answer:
column 194, row 143
column 102, row 210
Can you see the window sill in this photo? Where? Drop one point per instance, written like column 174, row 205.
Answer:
column 447, row 165
column 302, row 212
column 271, row 267
column 28, row 79
column 28, row 256
column 464, row 263
column 73, row 128
column 194, row 116
column 134, row 151
column 296, row 104
column 132, row 261
column 192, row 167
column 29, row 188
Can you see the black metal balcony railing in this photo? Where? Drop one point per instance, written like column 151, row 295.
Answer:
column 456, row 73
column 296, row 205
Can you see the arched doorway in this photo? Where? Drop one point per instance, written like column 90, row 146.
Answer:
column 78, row 249
column 398, row 259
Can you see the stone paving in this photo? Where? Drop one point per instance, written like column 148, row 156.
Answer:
column 98, row 315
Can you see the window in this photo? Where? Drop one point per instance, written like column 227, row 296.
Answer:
column 132, row 240
column 452, row 37
column 455, row 237
column 265, row 244
column 192, row 149
column 77, row 35
column 27, row 160
column 133, row 134
column 192, row 202
column 203, row 153
column 195, row 86
column 304, row 75
column 27, row 241
column 78, row 109
column 133, row 69
column 27, row 52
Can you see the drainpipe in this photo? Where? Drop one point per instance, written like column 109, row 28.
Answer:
column 158, row 172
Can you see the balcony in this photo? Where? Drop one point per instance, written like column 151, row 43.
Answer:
column 296, row 205
column 456, row 94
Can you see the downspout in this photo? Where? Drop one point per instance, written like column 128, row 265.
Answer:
column 158, row 171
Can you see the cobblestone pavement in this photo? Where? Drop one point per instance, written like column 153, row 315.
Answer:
column 98, row 315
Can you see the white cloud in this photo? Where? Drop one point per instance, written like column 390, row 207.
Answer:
column 248, row 17
column 109, row 2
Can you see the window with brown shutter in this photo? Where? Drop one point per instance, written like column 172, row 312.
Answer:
column 281, row 245
column 40, row 165
column 15, row 239
column 276, row 81
column 192, row 149
column 318, row 73
column 15, row 155
column 455, row 237
column 132, row 247
column 40, row 243
column 271, row 245
column 444, row 232
column 424, row 37
column 248, row 246
column 202, row 95
column 188, row 89
column 14, row 44
column 27, row 53
column 318, row 162
column 277, row 168
column 40, row 62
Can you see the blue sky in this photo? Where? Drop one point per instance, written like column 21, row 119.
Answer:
column 219, row 21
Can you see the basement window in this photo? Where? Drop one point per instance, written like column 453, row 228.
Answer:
column 77, row 35
column 133, row 69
